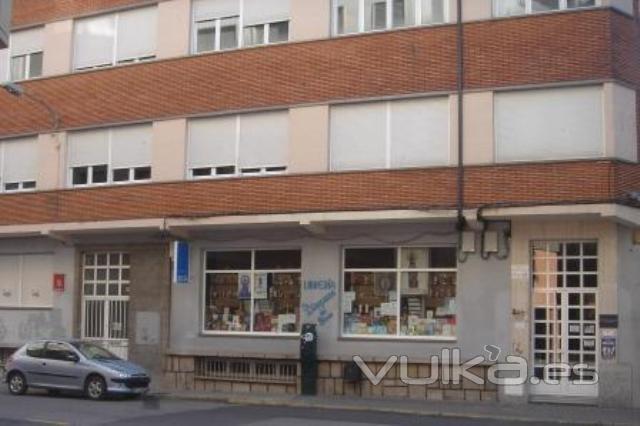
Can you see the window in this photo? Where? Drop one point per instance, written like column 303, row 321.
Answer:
column 248, row 144
column 18, row 165
column 59, row 351
column 252, row 291
column 549, row 124
column 117, row 38
column 35, row 350
column 118, row 155
column 26, row 280
column 26, row 54
column 217, row 23
column 521, row 7
column 400, row 292
column 406, row 133
column 352, row 16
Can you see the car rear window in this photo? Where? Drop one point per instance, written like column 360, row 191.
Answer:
column 35, row 350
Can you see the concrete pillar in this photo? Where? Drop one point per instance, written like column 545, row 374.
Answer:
column 309, row 139
column 620, row 122
column 310, row 19
column 168, row 150
column 58, row 48
column 51, row 159
column 174, row 23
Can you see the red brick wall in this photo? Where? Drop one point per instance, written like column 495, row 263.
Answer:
column 525, row 184
column 546, row 48
column 28, row 12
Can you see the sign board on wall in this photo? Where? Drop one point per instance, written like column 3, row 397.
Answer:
column 58, row 283
column 181, row 262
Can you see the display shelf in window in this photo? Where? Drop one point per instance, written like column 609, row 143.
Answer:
column 252, row 291
column 400, row 292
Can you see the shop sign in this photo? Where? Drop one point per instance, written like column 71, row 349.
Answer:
column 181, row 262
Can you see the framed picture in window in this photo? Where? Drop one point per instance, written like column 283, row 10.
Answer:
column 261, row 286
column 244, row 286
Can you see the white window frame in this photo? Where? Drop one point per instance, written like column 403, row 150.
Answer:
column 398, row 270
column 563, row 5
column 114, row 54
column 20, row 304
column 266, row 33
column 252, row 272
column 21, row 184
column 264, row 170
column 417, row 21
column 27, row 65
column 110, row 170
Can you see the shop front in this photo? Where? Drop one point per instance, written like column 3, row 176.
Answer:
column 399, row 300
column 374, row 291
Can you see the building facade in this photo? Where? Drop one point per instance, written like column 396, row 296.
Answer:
column 409, row 177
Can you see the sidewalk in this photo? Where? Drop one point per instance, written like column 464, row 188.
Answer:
column 557, row 414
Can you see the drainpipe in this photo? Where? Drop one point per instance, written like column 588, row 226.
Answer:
column 462, row 222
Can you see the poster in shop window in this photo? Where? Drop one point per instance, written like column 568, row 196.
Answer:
column 261, row 286
column 244, row 286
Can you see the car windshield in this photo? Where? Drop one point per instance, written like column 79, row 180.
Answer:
column 94, row 352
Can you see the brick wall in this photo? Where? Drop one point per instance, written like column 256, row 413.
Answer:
column 563, row 182
column 29, row 12
column 541, row 49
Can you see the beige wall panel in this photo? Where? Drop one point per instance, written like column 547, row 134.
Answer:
column 309, row 143
column 168, row 150
column 58, row 48
column 310, row 19
column 174, row 28
column 51, row 161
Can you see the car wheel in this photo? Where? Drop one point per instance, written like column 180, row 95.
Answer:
column 17, row 384
column 95, row 388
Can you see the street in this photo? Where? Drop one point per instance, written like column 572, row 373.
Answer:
column 38, row 408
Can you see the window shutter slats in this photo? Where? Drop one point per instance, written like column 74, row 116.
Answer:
column 137, row 33
column 358, row 136
column 212, row 142
column 131, row 146
column 264, row 139
column 263, row 11
column 420, row 132
column 549, row 124
column 27, row 41
column 210, row 9
column 88, row 148
column 94, row 40
column 20, row 160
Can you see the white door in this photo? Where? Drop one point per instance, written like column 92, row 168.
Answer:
column 105, row 300
column 564, row 321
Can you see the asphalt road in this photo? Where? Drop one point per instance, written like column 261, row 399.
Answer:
column 42, row 409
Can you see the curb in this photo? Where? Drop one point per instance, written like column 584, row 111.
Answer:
column 245, row 400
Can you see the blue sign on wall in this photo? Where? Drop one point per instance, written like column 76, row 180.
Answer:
column 180, row 262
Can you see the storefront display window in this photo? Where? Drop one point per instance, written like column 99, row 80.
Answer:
column 252, row 291
column 405, row 292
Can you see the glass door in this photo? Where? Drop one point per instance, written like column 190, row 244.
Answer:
column 564, row 319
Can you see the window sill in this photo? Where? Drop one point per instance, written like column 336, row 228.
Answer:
column 248, row 334
column 372, row 337
column 25, row 308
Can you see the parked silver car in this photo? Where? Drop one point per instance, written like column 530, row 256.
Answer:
column 73, row 365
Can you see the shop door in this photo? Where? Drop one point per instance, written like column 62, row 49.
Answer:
column 564, row 321
column 105, row 300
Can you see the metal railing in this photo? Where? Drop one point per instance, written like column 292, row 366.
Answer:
column 246, row 370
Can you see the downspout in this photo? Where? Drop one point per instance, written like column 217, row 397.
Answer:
column 461, row 221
